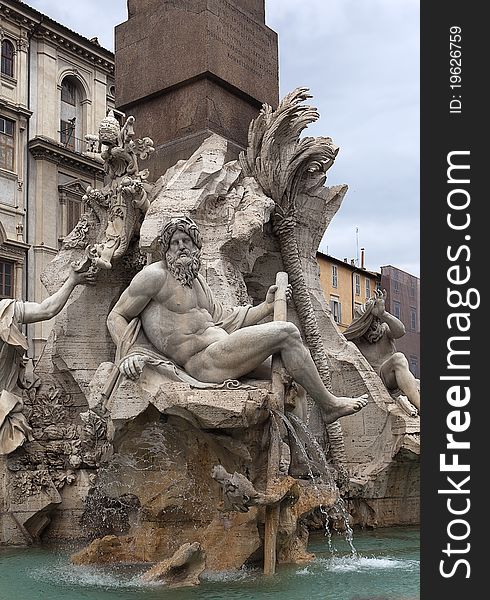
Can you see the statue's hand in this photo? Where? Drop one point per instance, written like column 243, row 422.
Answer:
column 82, row 274
column 379, row 303
column 132, row 366
column 271, row 294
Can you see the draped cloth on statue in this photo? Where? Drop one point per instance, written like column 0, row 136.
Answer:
column 14, row 428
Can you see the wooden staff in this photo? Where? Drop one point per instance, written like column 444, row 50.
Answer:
column 276, row 404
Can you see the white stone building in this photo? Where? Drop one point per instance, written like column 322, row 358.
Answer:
column 55, row 87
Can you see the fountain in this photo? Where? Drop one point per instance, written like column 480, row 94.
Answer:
column 153, row 458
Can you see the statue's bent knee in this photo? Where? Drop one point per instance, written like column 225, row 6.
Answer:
column 290, row 329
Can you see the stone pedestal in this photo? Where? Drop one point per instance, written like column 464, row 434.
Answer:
column 189, row 68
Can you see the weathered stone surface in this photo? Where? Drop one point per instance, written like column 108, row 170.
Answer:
column 293, row 533
column 26, row 502
column 208, row 409
column 108, row 550
column 231, row 540
column 220, row 39
column 237, row 532
column 181, row 570
column 228, row 69
column 387, row 491
column 255, row 7
column 292, row 549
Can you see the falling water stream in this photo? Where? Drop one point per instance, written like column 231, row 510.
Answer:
column 325, row 477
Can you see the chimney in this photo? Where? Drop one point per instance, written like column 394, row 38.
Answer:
column 352, row 262
column 363, row 251
column 345, row 260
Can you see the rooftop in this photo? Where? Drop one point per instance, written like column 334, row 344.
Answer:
column 346, row 263
column 42, row 25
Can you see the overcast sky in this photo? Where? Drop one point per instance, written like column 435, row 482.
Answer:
column 360, row 59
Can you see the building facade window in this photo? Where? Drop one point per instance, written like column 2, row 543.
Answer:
column 413, row 362
column 368, row 288
column 336, row 308
column 335, row 276
column 396, row 309
column 71, row 115
column 6, row 278
column 67, row 133
column 119, row 116
column 74, row 210
column 7, row 143
column 72, row 206
column 396, row 282
column 357, row 282
column 8, row 54
column 412, row 288
column 413, row 319
column 69, row 91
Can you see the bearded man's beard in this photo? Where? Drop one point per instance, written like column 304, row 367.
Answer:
column 375, row 332
column 184, row 266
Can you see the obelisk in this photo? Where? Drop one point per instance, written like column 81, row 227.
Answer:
column 189, row 68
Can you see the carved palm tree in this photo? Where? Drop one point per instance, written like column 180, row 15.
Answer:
column 284, row 166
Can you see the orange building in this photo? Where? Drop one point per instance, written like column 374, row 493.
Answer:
column 345, row 286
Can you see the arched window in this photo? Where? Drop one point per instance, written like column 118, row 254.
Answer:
column 8, row 58
column 71, row 114
column 69, row 91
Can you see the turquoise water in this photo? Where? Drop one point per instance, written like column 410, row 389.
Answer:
column 387, row 569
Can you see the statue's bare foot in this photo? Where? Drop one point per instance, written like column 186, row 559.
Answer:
column 407, row 406
column 341, row 407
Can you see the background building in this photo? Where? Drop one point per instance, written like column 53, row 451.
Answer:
column 403, row 301
column 345, row 286
column 55, row 87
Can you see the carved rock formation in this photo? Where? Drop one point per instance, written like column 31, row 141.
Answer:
column 109, row 550
column 182, row 569
column 160, row 447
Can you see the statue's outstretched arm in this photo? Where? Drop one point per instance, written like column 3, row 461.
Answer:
column 51, row 306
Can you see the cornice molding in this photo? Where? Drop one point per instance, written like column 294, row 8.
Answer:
column 43, row 148
column 42, row 27
column 15, row 108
